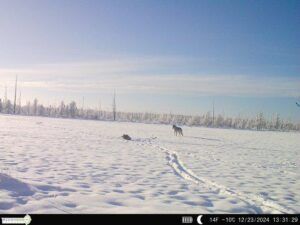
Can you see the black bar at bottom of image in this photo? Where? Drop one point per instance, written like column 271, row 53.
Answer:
column 153, row 219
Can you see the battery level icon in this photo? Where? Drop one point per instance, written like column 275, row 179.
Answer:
column 187, row 219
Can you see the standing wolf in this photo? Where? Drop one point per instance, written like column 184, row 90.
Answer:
column 177, row 130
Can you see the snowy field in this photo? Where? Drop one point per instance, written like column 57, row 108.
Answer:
column 52, row 165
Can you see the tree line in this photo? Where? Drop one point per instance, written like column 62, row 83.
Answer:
column 209, row 119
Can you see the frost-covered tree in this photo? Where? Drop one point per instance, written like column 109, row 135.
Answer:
column 67, row 111
column 15, row 98
column 228, row 122
column 19, row 105
column 244, row 123
column 35, row 106
column 114, row 107
column 208, row 119
column 8, row 107
column 41, row 110
column 27, row 108
column 260, row 121
column 277, row 122
column 73, row 109
column 62, row 109
column 219, row 121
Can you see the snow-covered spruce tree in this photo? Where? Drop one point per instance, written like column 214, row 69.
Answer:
column 180, row 119
column 161, row 118
column 67, row 111
column 73, row 109
column 219, row 121
column 260, row 121
column 191, row 121
column 52, row 111
column 48, row 111
column 62, row 109
column 41, row 110
column 289, row 125
column 145, row 117
column 244, row 123
column 236, row 122
column 277, row 122
column 8, row 107
column 228, row 122
column 28, row 108
column 35, row 106
column 208, row 120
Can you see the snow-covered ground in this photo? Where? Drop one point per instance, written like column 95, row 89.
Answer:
column 76, row 166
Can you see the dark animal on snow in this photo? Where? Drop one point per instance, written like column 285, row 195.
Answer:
column 177, row 130
column 126, row 137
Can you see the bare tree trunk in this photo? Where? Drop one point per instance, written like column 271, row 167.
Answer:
column 99, row 110
column 15, row 99
column 82, row 108
column 213, row 119
column 114, row 106
column 20, row 105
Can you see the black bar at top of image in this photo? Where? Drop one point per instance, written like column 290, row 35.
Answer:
column 157, row 219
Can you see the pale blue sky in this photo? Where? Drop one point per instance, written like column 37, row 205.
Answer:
column 160, row 56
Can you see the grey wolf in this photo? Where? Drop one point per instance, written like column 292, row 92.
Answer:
column 177, row 130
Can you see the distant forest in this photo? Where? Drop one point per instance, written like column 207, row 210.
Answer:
column 208, row 119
